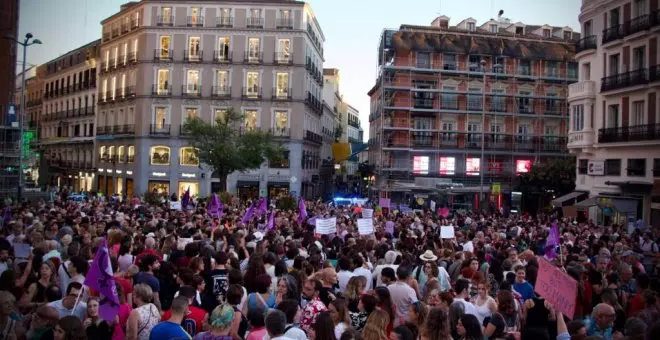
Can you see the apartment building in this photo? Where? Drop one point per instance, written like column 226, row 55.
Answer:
column 66, row 127
column 443, row 89
column 353, row 125
column 613, row 130
column 166, row 61
column 33, row 105
column 9, row 10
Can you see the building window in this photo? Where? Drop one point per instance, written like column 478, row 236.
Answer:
column 578, row 117
column 160, row 155
column 222, row 82
column 194, row 45
column 550, row 130
column 587, row 29
column 251, row 119
column 525, row 68
column 613, row 116
column 449, row 100
column 492, row 28
column 656, row 167
column 103, row 154
column 282, row 90
column 547, row 33
column 166, row 13
column 474, row 63
column 449, row 61
column 189, row 156
column 223, row 48
column 448, row 133
column 283, row 50
column 474, row 132
column 196, row 16
column 640, row 8
column 551, row 68
column 161, row 117
column 252, row 89
column 190, row 113
column 638, row 60
column 165, row 47
column 281, row 120
column 582, row 166
column 636, row 167
column 283, row 163
column 475, row 99
column 637, row 117
column 121, row 153
column 423, row 60
column 568, row 35
column 523, row 134
column 131, row 154
column 612, row 167
column 163, row 81
column 254, row 47
column 471, row 27
column 192, row 81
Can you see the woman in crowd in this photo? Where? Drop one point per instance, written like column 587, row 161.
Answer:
column 376, row 326
column 36, row 293
column 69, row 328
column 239, row 323
column 385, row 303
column 287, row 288
column 354, row 290
column 436, row 326
column 219, row 323
column 95, row 327
column 261, row 298
column 144, row 317
column 366, row 306
column 417, row 313
column 469, row 328
column 484, row 303
column 340, row 316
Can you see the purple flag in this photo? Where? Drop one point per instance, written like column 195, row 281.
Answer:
column 6, row 216
column 389, row 227
column 99, row 278
column 185, row 200
column 262, row 206
column 552, row 242
column 302, row 215
column 215, row 206
column 312, row 221
column 271, row 221
column 248, row 214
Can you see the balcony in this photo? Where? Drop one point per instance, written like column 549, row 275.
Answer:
column 225, row 22
column 221, row 92
column 281, row 94
column 251, row 93
column 191, row 90
column 280, row 132
column 124, row 129
column 222, row 56
column 88, row 111
column 580, row 139
column 130, row 159
column 132, row 57
column 283, row 58
column 159, row 91
column 613, row 33
column 195, row 21
column 134, row 23
column 284, row 23
column 115, row 32
column 314, row 103
column 191, row 56
column 638, row 133
column 159, row 129
column 582, row 90
column 253, row 57
column 166, row 20
column 623, row 80
column 313, row 137
column 103, row 130
column 163, row 55
column 124, row 28
column 106, row 36
column 423, row 104
column 127, row 92
column 254, row 22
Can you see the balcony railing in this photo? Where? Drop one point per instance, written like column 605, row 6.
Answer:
column 161, row 54
column 254, row 22
column 160, row 129
column 281, row 94
column 221, row 92
column 226, row 22
column 582, row 89
column 623, row 80
column 284, row 23
column 283, row 58
column 654, row 73
column 161, row 91
column 124, row 28
column 637, row 133
column 280, row 132
column 612, row 33
column 134, row 23
column 124, row 129
column 103, row 130
column 641, row 23
column 195, row 21
column 167, row 20
column 132, row 57
column 127, row 92
column 313, row 137
column 193, row 56
column 251, row 93
column 191, row 90
column 253, row 57
column 222, row 56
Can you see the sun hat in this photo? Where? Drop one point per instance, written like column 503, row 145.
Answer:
column 428, row 256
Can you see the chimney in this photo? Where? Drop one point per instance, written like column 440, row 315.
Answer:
column 499, row 15
column 441, row 22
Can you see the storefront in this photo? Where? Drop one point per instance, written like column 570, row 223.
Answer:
column 102, row 184
column 159, row 186
column 278, row 189
column 608, row 210
column 188, row 185
column 247, row 190
column 129, row 187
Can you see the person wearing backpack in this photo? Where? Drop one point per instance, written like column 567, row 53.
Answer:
column 429, row 269
column 650, row 249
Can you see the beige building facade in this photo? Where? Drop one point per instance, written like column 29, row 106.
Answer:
column 163, row 62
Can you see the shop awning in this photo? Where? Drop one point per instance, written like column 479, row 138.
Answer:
column 625, row 206
column 559, row 201
column 588, row 203
column 620, row 204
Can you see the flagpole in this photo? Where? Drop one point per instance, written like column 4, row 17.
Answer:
column 77, row 300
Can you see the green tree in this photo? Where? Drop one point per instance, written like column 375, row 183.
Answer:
column 226, row 146
column 555, row 174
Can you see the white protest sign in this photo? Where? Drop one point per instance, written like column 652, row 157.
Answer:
column 447, row 231
column 175, row 205
column 22, row 250
column 367, row 213
column 365, row 226
column 325, row 226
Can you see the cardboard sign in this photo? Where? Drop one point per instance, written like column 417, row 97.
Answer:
column 556, row 287
column 384, row 202
column 447, row 231
column 325, row 226
column 367, row 213
column 365, row 226
column 443, row 212
column 175, row 205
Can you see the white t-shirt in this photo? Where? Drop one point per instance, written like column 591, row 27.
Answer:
column 468, row 307
column 379, row 269
column 402, row 296
column 367, row 274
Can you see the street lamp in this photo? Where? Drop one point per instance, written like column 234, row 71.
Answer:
column 483, row 135
column 25, row 43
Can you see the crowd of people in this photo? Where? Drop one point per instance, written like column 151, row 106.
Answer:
column 262, row 274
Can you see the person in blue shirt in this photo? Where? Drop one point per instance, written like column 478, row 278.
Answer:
column 521, row 286
column 171, row 329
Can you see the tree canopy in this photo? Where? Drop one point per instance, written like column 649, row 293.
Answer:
column 556, row 174
column 226, row 145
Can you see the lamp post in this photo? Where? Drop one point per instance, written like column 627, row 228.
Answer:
column 25, row 43
column 483, row 135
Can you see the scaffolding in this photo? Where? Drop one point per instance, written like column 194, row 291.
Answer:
column 9, row 161
column 413, row 89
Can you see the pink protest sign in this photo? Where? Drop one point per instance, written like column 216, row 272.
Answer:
column 443, row 212
column 384, row 202
column 556, row 287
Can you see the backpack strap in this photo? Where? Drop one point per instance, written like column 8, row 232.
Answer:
column 65, row 270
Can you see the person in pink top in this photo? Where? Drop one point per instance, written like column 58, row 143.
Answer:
column 124, row 311
column 256, row 319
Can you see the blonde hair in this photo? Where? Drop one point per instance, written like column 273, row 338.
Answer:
column 353, row 285
column 144, row 292
column 376, row 326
